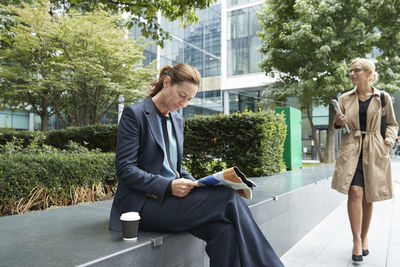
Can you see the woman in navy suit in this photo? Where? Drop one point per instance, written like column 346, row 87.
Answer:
column 153, row 182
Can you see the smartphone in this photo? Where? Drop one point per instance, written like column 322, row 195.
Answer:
column 337, row 109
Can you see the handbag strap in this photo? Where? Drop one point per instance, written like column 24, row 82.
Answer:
column 383, row 102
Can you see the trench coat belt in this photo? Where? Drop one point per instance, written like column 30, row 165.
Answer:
column 359, row 133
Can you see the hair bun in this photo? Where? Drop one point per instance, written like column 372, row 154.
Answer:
column 165, row 70
column 374, row 77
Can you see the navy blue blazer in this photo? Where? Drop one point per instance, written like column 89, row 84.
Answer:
column 140, row 155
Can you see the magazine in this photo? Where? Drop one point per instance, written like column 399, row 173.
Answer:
column 232, row 178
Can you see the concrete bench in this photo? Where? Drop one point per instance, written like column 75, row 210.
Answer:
column 286, row 207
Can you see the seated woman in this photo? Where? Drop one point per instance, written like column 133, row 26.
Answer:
column 153, row 182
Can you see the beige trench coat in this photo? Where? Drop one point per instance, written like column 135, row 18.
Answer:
column 376, row 158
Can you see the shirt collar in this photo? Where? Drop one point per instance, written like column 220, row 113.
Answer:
column 376, row 91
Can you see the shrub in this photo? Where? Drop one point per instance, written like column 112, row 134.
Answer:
column 7, row 135
column 39, row 176
column 99, row 136
column 204, row 168
column 251, row 141
column 54, row 178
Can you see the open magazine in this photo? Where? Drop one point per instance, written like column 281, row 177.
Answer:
column 232, row 178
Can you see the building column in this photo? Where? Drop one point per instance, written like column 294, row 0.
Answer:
column 224, row 44
column 226, row 101
column 31, row 124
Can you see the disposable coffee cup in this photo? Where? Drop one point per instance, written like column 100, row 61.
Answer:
column 130, row 225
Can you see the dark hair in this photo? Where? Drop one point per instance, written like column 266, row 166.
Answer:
column 179, row 73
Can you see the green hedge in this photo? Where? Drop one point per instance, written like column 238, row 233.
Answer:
column 7, row 135
column 37, row 176
column 251, row 141
column 101, row 136
column 55, row 173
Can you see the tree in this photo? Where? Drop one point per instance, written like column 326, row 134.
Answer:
column 26, row 66
column 6, row 22
column 308, row 46
column 98, row 64
column 388, row 24
column 75, row 66
column 142, row 12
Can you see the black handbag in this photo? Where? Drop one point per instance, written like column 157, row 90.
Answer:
column 383, row 119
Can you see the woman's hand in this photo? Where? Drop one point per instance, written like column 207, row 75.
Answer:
column 181, row 187
column 341, row 119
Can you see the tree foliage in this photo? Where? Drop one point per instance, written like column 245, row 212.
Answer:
column 26, row 66
column 75, row 66
column 142, row 13
column 308, row 45
column 388, row 23
column 98, row 64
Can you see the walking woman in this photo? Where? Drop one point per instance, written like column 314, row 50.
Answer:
column 153, row 182
column 363, row 164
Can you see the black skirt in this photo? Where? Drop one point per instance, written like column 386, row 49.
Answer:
column 358, row 178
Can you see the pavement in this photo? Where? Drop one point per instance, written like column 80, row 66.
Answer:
column 330, row 242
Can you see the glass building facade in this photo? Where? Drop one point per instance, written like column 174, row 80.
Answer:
column 198, row 45
column 14, row 120
column 21, row 120
column 150, row 52
column 243, row 42
column 232, row 3
column 201, row 46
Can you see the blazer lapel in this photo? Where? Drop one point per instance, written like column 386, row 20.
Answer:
column 179, row 135
column 151, row 116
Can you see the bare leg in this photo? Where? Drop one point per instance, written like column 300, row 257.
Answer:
column 367, row 208
column 354, row 208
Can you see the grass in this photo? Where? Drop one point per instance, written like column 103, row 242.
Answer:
column 303, row 165
column 306, row 164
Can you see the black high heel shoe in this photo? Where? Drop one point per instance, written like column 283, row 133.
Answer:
column 365, row 252
column 357, row 258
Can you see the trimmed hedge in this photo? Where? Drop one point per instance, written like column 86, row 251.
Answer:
column 98, row 136
column 101, row 136
column 251, row 141
column 36, row 176
column 7, row 135
column 55, row 173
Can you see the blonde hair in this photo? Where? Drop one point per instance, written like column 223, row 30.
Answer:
column 368, row 65
column 179, row 73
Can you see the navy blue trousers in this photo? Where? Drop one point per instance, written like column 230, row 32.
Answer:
column 217, row 215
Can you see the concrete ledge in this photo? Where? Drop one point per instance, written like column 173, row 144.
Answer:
column 79, row 236
column 286, row 207
column 285, row 219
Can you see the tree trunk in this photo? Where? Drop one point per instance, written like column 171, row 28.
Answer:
column 60, row 116
column 314, row 132
column 44, row 117
column 329, row 155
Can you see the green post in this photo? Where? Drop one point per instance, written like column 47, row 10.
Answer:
column 292, row 154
